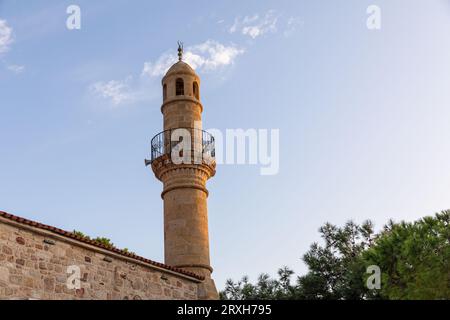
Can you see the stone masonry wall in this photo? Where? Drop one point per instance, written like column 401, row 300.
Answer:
column 31, row 268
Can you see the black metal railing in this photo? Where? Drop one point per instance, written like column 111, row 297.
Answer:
column 201, row 143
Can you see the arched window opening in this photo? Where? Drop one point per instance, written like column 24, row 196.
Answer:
column 165, row 91
column 179, row 87
column 195, row 90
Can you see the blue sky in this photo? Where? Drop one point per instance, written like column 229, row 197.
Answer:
column 363, row 117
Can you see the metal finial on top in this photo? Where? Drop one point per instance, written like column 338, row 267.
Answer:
column 180, row 50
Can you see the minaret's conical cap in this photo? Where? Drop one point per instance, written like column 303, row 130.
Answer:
column 180, row 67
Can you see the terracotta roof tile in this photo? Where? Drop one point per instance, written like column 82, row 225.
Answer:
column 97, row 244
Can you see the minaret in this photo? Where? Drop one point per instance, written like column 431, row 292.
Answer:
column 186, row 240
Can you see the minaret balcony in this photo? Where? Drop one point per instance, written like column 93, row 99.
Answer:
column 177, row 142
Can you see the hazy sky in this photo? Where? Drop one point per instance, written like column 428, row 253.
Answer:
column 363, row 117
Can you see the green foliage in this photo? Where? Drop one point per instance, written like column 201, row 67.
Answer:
column 128, row 251
column 104, row 241
column 80, row 234
column 336, row 269
column 265, row 288
column 414, row 259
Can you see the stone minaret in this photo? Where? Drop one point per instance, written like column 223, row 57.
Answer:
column 186, row 240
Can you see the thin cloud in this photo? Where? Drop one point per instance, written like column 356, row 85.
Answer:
column 116, row 91
column 292, row 25
column 205, row 57
column 6, row 40
column 16, row 68
column 6, row 36
column 255, row 26
column 160, row 66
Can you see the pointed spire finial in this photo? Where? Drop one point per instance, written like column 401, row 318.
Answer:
column 180, row 50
